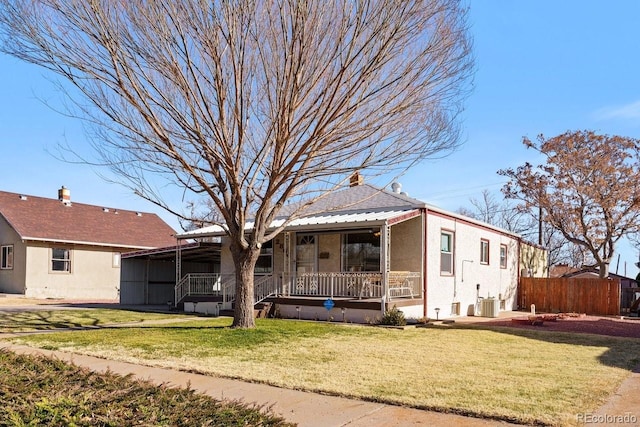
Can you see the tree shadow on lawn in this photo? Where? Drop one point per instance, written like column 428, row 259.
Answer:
column 40, row 320
column 56, row 319
column 620, row 338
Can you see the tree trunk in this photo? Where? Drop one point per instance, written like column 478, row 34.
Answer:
column 603, row 269
column 244, row 261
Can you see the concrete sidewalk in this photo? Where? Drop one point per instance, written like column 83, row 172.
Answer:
column 621, row 409
column 305, row 409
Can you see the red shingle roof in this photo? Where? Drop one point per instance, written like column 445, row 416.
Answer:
column 39, row 218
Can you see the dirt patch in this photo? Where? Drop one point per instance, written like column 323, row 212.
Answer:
column 610, row 326
column 9, row 300
column 14, row 301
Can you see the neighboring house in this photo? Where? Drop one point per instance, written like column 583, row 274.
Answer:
column 368, row 249
column 562, row 270
column 593, row 272
column 53, row 248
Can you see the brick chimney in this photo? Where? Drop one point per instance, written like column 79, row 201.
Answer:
column 356, row 179
column 64, row 195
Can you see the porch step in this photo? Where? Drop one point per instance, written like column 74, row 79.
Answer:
column 261, row 310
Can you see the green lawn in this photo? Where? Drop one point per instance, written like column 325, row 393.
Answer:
column 525, row 376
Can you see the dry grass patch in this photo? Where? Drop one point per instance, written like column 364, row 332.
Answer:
column 524, row 376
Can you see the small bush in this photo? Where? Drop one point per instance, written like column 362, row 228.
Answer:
column 393, row 317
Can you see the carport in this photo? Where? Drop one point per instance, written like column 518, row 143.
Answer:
column 150, row 276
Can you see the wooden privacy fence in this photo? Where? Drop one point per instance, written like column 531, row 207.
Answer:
column 570, row 295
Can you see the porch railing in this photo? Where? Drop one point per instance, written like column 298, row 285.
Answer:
column 208, row 284
column 264, row 286
column 401, row 284
column 198, row 284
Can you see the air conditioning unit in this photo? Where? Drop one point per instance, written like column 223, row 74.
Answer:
column 490, row 307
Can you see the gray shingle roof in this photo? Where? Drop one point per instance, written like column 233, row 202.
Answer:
column 360, row 198
column 352, row 205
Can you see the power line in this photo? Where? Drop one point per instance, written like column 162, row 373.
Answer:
column 457, row 192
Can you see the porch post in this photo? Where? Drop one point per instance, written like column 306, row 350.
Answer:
column 286, row 273
column 385, row 262
column 178, row 270
column 178, row 261
column 425, row 260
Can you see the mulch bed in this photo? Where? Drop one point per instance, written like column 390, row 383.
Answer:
column 611, row 326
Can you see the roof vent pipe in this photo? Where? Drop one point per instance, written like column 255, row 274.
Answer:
column 396, row 187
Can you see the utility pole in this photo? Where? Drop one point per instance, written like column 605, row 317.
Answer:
column 540, row 197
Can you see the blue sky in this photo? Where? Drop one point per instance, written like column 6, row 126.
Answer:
column 542, row 67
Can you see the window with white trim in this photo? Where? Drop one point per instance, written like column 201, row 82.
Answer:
column 61, row 260
column 484, row 251
column 503, row 256
column 6, row 257
column 446, row 252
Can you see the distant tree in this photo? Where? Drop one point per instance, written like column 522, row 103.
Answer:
column 527, row 223
column 252, row 104
column 587, row 188
column 497, row 212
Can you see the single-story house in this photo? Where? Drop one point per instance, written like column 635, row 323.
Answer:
column 359, row 251
column 53, row 248
column 593, row 272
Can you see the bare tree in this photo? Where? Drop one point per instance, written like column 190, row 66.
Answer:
column 253, row 103
column 500, row 213
column 587, row 189
column 527, row 223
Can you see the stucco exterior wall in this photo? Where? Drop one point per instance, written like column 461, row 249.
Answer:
column 444, row 290
column 533, row 261
column 329, row 253
column 12, row 280
column 226, row 260
column 406, row 252
column 278, row 254
column 93, row 274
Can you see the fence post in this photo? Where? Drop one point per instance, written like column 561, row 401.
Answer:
column 331, row 286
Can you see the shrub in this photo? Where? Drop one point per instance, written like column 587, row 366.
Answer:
column 393, row 317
